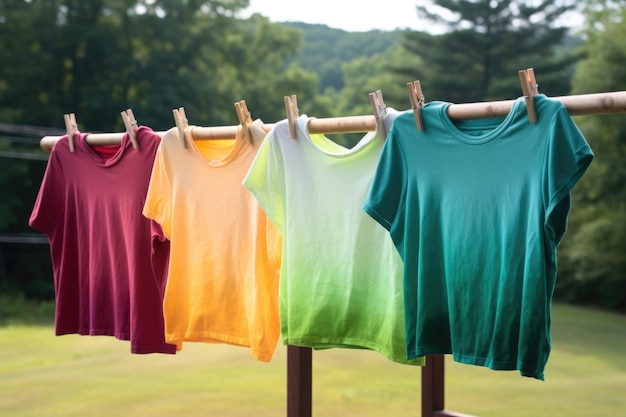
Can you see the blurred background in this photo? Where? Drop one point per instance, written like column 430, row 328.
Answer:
column 96, row 58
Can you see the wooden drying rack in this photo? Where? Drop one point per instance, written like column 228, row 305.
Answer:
column 299, row 359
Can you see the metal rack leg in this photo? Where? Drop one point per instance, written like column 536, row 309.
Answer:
column 299, row 381
column 433, row 388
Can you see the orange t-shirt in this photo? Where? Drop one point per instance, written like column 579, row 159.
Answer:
column 224, row 261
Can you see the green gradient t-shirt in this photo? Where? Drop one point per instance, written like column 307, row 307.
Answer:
column 476, row 210
column 341, row 276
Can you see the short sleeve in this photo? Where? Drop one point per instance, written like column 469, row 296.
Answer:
column 159, row 196
column 266, row 179
column 49, row 205
column 568, row 156
column 160, row 256
column 387, row 194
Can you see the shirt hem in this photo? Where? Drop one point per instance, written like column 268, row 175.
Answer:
column 324, row 343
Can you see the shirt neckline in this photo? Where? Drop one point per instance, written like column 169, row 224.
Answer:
column 327, row 146
column 491, row 132
column 99, row 159
column 215, row 163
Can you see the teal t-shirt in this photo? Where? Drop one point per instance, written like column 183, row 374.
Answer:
column 341, row 277
column 476, row 210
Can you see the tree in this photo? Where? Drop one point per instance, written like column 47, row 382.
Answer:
column 593, row 251
column 13, row 179
column 259, row 54
column 486, row 42
column 97, row 58
column 368, row 74
column 315, row 55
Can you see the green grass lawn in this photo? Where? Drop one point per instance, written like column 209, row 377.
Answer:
column 43, row 375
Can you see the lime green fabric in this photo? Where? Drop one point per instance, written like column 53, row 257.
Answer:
column 341, row 276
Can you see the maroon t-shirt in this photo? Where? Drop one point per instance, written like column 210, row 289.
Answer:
column 109, row 267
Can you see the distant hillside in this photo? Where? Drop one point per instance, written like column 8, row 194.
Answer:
column 325, row 49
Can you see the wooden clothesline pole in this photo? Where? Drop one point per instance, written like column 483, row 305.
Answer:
column 583, row 104
column 576, row 105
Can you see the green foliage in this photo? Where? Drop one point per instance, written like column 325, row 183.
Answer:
column 358, row 64
column 317, row 56
column 486, row 44
column 593, row 269
column 16, row 309
column 368, row 74
column 257, row 53
column 26, row 270
column 12, row 178
column 97, row 58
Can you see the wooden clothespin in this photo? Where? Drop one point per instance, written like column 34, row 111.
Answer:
column 243, row 114
column 530, row 88
column 181, row 123
column 71, row 127
column 131, row 126
column 416, row 97
column 291, row 108
column 380, row 110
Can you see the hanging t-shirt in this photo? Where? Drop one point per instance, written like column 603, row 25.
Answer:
column 225, row 254
column 341, row 277
column 476, row 209
column 106, row 273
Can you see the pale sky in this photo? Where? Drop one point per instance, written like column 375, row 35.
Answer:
column 349, row 15
column 355, row 15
